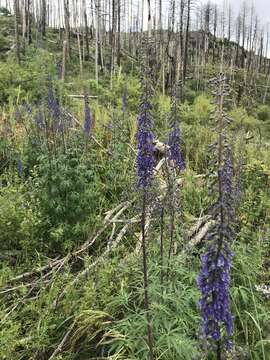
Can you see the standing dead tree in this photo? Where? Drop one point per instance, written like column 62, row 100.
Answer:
column 17, row 35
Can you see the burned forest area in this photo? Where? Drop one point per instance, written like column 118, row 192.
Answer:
column 134, row 180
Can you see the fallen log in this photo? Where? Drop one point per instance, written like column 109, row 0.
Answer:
column 83, row 96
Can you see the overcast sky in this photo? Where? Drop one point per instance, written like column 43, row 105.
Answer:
column 262, row 7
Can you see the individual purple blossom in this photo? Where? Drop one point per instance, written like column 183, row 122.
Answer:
column 20, row 167
column 145, row 137
column 87, row 117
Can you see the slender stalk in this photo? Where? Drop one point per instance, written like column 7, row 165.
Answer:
column 145, row 279
column 220, row 189
column 218, row 350
column 172, row 217
column 161, row 247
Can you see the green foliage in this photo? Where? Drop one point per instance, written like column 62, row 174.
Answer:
column 71, row 192
column 67, row 189
column 263, row 113
column 172, row 313
column 197, row 113
column 251, row 319
column 12, row 76
column 194, row 194
column 196, row 139
column 4, row 11
column 20, row 221
column 4, row 43
column 202, row 109
column 255, row 209
column 9, row 339
column 187, row 113
column 27, row 83
column 241, row 120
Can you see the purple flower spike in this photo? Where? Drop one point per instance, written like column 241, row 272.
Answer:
column 214, row 283
column 174, row 142
column 124, row 101
column 145, row 137
column 59, row 69
column 53, row 106
column 39, row 119
column 28, row 108
column 18, row 114
column 20, row 168
column 214, row 277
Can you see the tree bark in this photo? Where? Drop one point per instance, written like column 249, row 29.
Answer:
column 186, row 42
column 17, row 36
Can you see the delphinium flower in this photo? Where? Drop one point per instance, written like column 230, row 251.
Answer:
column 175, row 161
column 39, row 119
column 124, row 100
column 20, row 167
column 53, row 106
column 145, row 137
column 17, row 114
column 214, row 283
column 27, row 108
column 174, row 142
column 214, row 277
column 59, row 69
column 145, row 169
column 175, row 153
column 87, row 116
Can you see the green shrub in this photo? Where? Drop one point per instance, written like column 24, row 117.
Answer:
column 20, row 220
column 202, row 109
column 26, row 82
column 4, row 11
column 196, row 139
column 68, row 189
column 263, row 113
column 241, row 120
column 199, row 112
column 187, row 113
